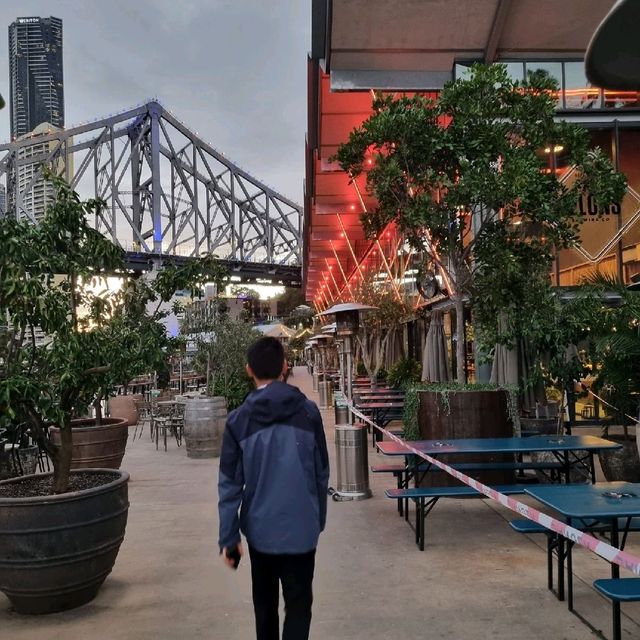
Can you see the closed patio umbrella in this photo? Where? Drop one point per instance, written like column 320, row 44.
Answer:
column 435, row 364
column 395, row 350
column 505, row 365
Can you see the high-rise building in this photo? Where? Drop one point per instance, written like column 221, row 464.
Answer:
column 36, row 92
column 3, row 200
column 36, row 193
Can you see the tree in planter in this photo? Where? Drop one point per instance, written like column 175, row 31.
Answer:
column 137, row 342
column 613, row 344
column 468, row 174
column 45, row 273
column 222, row 355
column 404, row 374
column 377, row 327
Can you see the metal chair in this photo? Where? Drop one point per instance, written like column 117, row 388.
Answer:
column 168, row 419
column 144, row 416
column 177, row 422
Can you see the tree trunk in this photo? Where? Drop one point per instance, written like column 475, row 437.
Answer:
column 62, row 462
column 460, row 340
column 97, row 407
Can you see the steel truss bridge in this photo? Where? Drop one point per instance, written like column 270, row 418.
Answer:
column 167, row 193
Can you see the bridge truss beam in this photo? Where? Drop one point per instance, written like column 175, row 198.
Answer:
column 166, row 191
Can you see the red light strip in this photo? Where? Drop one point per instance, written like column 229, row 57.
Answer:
column 335, row 284
column 391, row 278
column 353, row 254
column 346, row 281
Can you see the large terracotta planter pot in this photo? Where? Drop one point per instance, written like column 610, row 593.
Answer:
column 125, row 407
column 621, row 464
column 94, row 447
column 56, row 551
column 470, row 414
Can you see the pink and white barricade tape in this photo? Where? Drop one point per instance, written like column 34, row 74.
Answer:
column 604, row 550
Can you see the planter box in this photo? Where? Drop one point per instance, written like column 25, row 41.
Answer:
column 470, row 414
column 621, row 464
column 57, row 550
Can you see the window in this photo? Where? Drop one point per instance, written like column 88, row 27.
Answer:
column 515, row 70
column 578, row 91
column 554, row 69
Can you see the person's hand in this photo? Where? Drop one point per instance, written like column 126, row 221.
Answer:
column 229, row 561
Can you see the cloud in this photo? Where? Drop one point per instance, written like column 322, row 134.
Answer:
column 232, row 70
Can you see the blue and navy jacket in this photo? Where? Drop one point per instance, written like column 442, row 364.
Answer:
column 274, row 468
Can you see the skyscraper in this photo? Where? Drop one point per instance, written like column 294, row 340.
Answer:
column 36, row 193
column 35, row 74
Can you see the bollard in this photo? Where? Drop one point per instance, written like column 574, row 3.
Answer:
column 341, row 413
column 352, row 460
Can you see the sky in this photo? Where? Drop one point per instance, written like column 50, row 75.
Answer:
column 232, row 70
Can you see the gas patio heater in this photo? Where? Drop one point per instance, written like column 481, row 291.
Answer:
column 351, row 439
column 323, row 384
column 312, row 345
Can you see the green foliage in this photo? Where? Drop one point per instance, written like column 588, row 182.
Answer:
column 50, row 280
column 466, row 180
column 444, row 389
column 377, row 327
column 234, row 390
column 222, row 356
column 404, row 373
column 612, row 340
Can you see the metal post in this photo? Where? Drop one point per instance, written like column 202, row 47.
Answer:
column 156, row 215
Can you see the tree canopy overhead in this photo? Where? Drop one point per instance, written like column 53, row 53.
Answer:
column 467, row 180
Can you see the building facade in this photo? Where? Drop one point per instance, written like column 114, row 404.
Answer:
column 405, row 46
column 36, row 92
column 36, row 192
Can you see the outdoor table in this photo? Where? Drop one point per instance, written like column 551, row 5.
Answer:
column 381, row 414
column 564, row 448
column 600, row 502
column 380, row 397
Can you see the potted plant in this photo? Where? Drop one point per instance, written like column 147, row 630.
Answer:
column 378, row 326
column 60, row 532
column 443, row 410
column 404, row 373
column 611, row 311
column 222, row 345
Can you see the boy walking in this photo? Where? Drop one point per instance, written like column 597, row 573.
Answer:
column 274, row 468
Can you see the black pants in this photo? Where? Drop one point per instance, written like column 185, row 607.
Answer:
column 295, row 572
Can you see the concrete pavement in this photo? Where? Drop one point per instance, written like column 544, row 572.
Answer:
column 477, row 579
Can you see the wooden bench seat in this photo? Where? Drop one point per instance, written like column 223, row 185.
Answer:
column 426, row 498
column 557, row 543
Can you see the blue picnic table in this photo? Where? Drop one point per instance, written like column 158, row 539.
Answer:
column 613, row 503
column 566, row 451
column 381, row 413
column 564, row 448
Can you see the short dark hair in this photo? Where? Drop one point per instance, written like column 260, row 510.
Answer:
column 266, row 358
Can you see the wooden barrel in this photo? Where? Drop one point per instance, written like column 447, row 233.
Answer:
column 204, row 420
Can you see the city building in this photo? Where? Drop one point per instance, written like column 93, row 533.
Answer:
column 399, row 46
column 36, row 92
column 34, row 193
